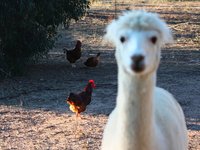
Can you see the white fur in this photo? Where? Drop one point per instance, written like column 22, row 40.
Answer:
column 145, row 117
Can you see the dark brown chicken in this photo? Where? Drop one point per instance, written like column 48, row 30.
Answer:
column 78, row 101
column 73, row 55
column 92, row 61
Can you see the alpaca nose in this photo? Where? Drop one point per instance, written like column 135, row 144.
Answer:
column 137, row 58
column 138, row 63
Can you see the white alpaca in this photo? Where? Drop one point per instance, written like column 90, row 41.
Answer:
column 145, row 117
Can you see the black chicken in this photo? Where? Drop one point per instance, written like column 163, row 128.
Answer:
column 73, row 55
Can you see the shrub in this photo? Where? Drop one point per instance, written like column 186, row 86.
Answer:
column 28, row 27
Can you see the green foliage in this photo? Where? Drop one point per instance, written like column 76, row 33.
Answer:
column 28, row 27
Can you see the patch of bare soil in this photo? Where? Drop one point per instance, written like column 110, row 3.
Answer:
column 33, row 111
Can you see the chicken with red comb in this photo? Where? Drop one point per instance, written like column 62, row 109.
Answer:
column 79, row 101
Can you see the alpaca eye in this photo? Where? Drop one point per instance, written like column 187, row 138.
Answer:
column 122, row 39
column 153, row 39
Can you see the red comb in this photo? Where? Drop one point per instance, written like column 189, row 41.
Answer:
column 91, row 81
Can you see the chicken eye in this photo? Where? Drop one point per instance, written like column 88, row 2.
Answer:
column 153, row 39
column 122, row 39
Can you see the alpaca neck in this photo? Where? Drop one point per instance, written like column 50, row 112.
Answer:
column 135, row 105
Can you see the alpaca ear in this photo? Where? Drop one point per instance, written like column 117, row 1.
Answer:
column 167, row 36
column 166, row 32
column 110, row 36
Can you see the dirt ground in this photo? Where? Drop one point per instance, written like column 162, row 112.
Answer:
column 33, row 111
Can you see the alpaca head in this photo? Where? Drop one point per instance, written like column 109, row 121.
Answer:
column 138, row 37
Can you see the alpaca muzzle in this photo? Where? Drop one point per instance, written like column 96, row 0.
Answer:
column 137, row 63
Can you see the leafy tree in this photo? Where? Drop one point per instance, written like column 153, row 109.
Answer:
column 28, row 28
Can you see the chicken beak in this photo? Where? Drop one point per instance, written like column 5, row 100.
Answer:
column 68, row 100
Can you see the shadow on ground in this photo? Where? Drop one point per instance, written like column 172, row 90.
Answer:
column 47, row 85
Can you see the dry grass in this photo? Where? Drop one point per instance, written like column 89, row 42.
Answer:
column 183, row 18
column 38, row 129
